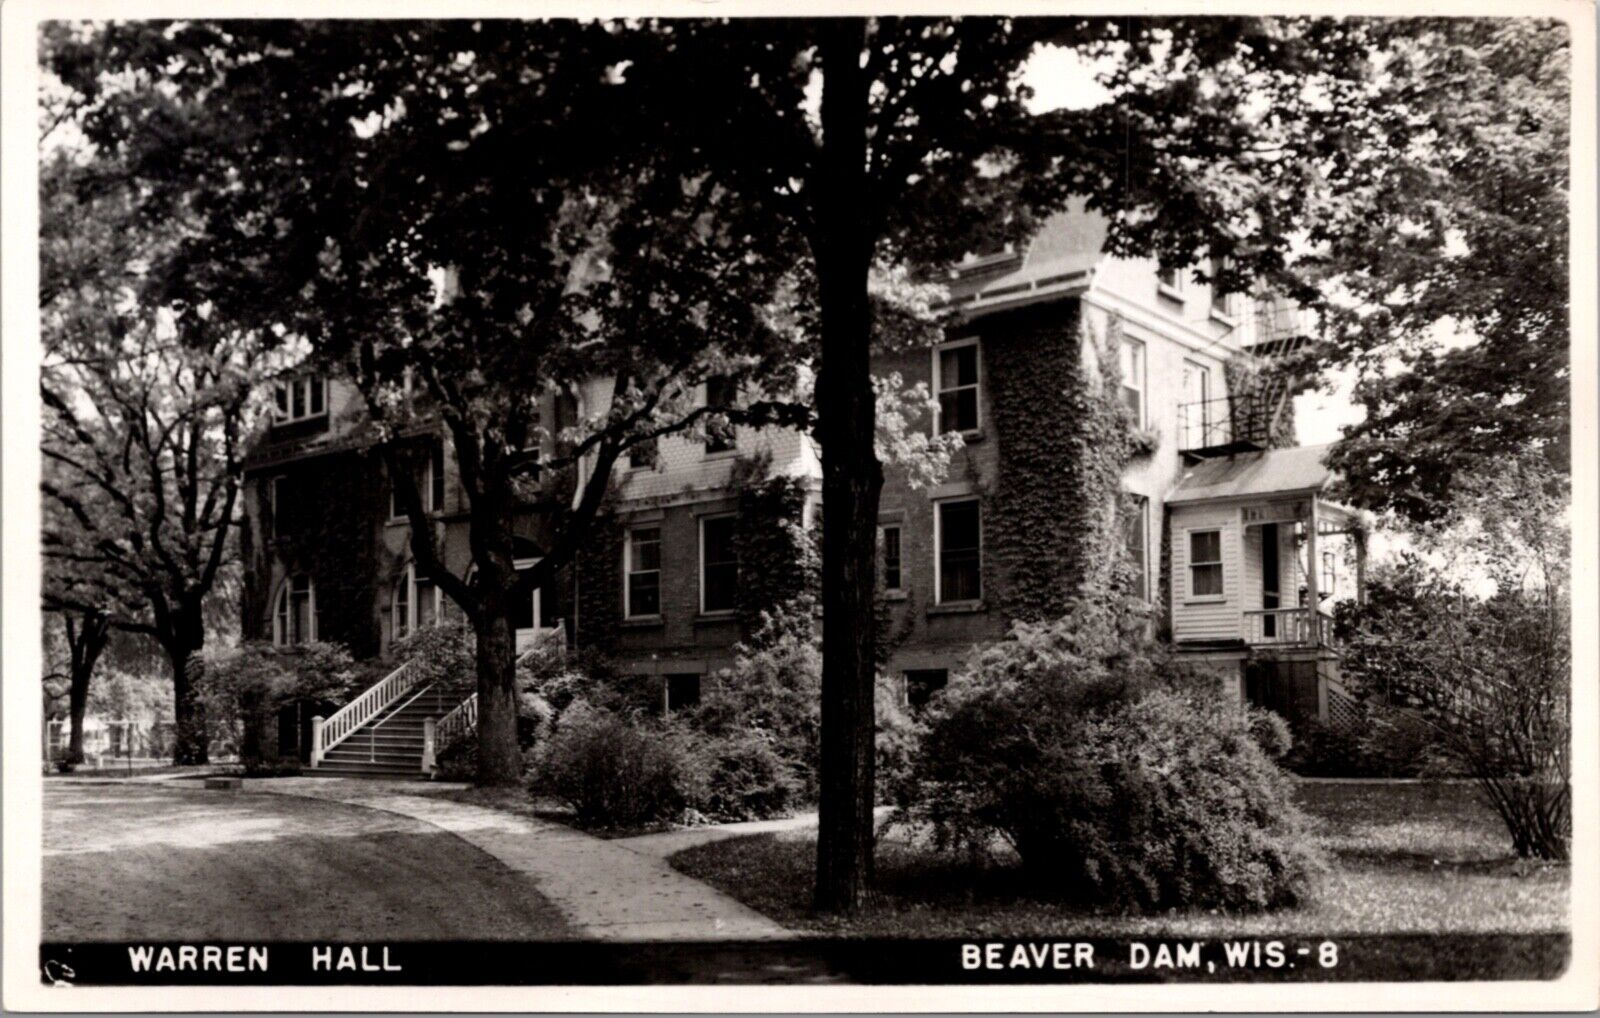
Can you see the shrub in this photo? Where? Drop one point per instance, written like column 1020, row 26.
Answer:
column 444, row 654
column 1118, row 781
column 243, row 687
column 1471, row 637
column 616, row 771
column 897, row 739
column 774, row 691
column 457, row 760
column 1270, row 731
column 745, row 778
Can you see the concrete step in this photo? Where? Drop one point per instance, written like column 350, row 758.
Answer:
column 355, row 771
column 345, row 752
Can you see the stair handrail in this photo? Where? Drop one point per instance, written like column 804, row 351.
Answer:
column 327, row 733
column 464, row 718
column 418, row 690
column 457, row 723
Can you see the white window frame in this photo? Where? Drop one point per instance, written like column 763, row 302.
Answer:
column 938, row 548
column 286, row 388
column 1174, row 289
column 883, row 547
column 397, row 513
column 517, row 566
column 1142, row 518
column 1136, row 379
column 977, row 386
column 701, row 525
column 633, row 463
column 409, row 579
column 628, row 572
column 1190, row 564
column 1222, row 304
column 732, row 448
column 282, row 611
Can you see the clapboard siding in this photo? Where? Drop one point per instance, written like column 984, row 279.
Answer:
column 1208, row 619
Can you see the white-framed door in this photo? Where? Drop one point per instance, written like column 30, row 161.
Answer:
column 529, row 617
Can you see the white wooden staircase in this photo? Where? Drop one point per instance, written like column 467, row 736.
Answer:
column 394, row 743
column 393, row 729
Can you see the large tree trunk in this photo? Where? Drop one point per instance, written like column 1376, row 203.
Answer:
column 85, row 644
column 851, row 480
column 183, row 643
column 499, row 757
column 78, row 704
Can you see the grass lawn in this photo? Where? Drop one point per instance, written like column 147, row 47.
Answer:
column 1422, row 858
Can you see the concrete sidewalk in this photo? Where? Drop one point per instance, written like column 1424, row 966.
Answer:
column 663, row 845
column 606, row 890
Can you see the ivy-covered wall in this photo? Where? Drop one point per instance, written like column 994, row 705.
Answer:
column 324, row 529
column 599, row 568
column 780, row 561
column 1051, row 513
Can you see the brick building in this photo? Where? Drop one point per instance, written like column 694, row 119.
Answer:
column 1214, row 498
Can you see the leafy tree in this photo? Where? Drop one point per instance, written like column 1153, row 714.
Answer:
column 907, row 141
column 1473, row 637
column 143, row 421
column 244, row 687
column 465, row 210
column 1450, row 269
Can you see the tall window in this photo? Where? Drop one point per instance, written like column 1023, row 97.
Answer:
column 645, row 455
column 1136, row 538
column 1131, row 359
column 1205, row 563
column 889, row 566
column 1221, row 303
column 297, row 399
column 294, row 616
column 1170, row 280
column 720, row 392
column 281, row 507
column 430, row 485
column 960, row 555
column 643, row 561
column 719, row 564
column 416, row 603
column 955, row 378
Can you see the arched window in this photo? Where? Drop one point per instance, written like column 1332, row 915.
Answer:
column 294, row 615
column 416, row 602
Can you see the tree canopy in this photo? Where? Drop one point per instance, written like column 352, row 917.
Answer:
column 1447, row 270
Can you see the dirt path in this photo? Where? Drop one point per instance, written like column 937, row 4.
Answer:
column 142, row 862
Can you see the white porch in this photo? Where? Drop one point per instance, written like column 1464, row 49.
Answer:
column 1260, row 555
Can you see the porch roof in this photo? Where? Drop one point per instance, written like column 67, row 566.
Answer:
column 1248, row 474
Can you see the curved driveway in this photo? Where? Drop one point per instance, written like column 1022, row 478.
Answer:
column 148, row 862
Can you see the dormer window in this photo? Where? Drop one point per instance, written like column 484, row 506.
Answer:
column 299, row 399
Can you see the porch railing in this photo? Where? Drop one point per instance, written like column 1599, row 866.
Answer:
column 327, row 733
column 1287, row 627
